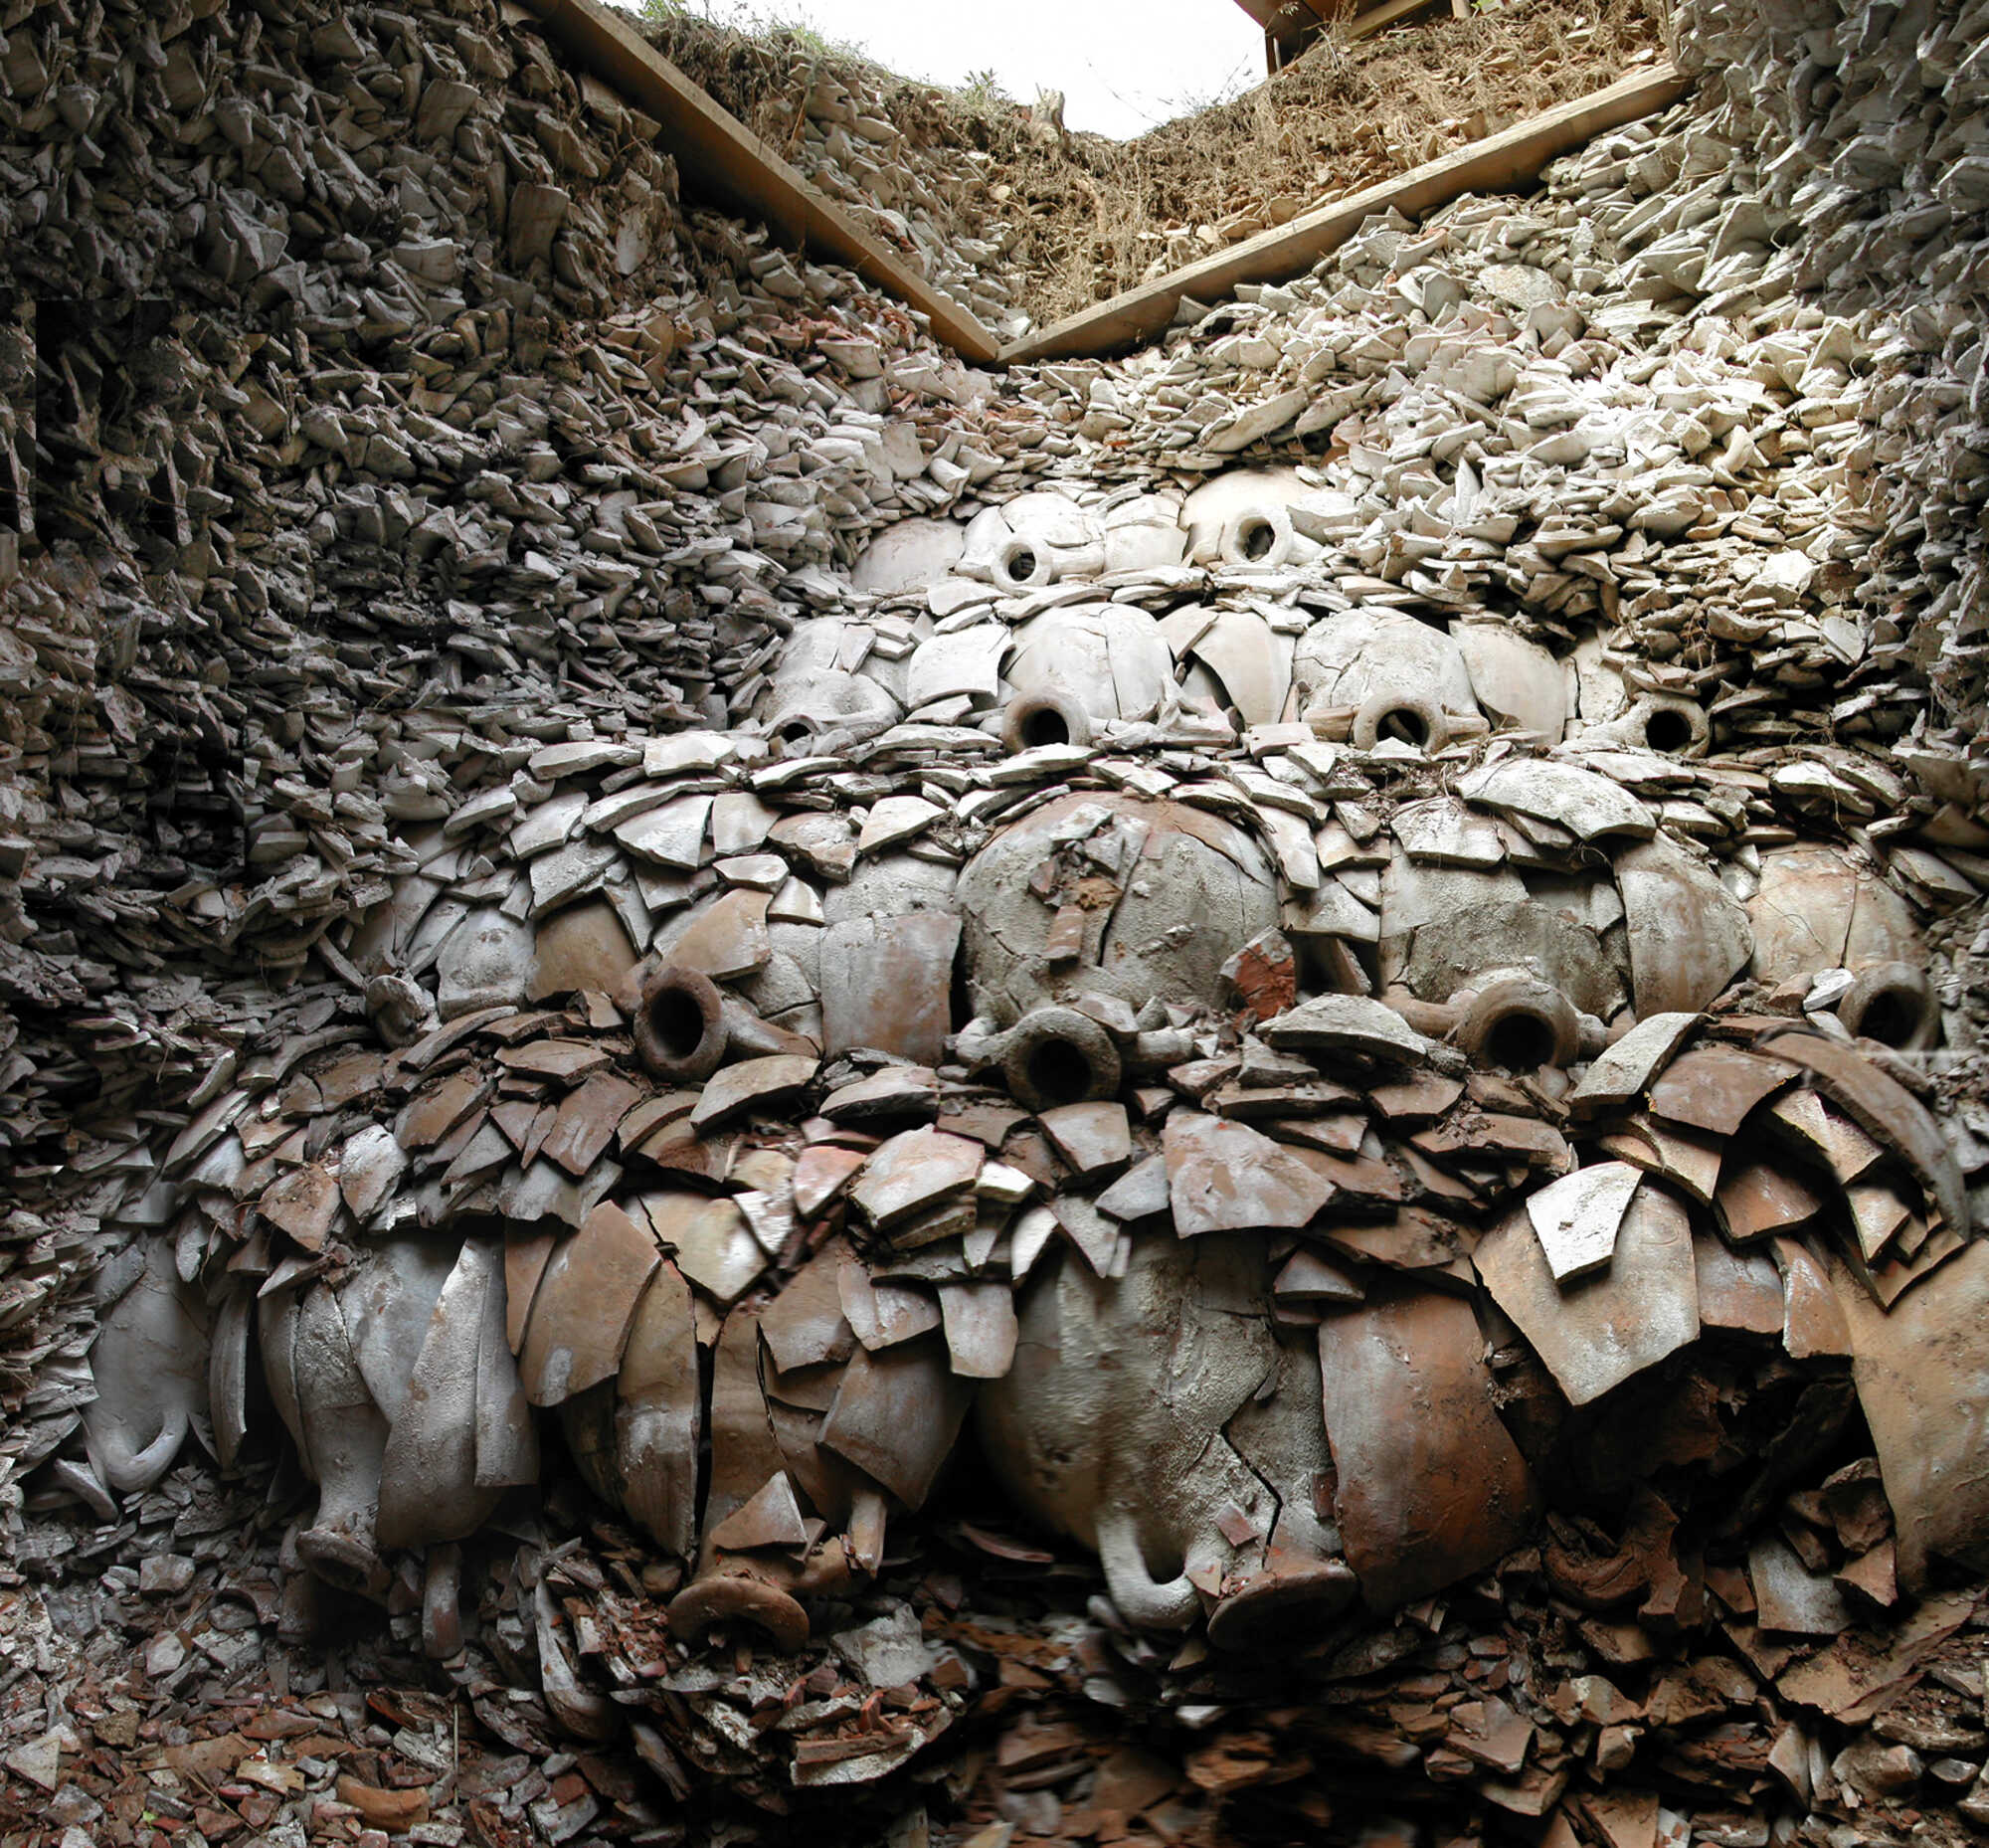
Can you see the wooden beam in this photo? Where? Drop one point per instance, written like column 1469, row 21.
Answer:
column 1298, row 22
column 1284, row 48
column 1273, row 15
column 719, row 156
column 1495, row 163
column 1379, row 18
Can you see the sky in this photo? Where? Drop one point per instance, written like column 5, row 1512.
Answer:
column 1122, row 65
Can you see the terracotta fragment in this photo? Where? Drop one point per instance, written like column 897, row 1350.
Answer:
column 1140, row 1193
column 387, row 1306
column 1688, row 1159
column 1028, row 1239
column 1577, row 1217
column 384, row 1809
column 585, row 1305
column 1600, row 1330
column 725, row 940
column 1622, row 1074
column 980, row 1328
column 670, row 834
column 1589, row 806
column 1762, row 1200
column 822, row 1172
column 884, row 1314
column 661, row 1413
column 1488, row 1732
column 1809, row 1126
column 430, row 1483
column 1441, row 830
column 587, row 1122
column 894, row 820
column 1888, row 1111
column 1712, row 1088
column 710, row 1240
column 1514, row 680
column 1736, row 1290
column 568, row 1061
column 913, row 1173
column 1789, row 1596
column 653, row 1115
column 754, row 1084
column 526, row 1255
column 894, row 1096
column 583, row 947
column 1094, row 1139
column 745, row 1454
column 1623, row 1818
column 1307, row 1277
column 1851, row 1681
column 1813, row 1321
column 1895, row 1273
column 770, row 1518
column 370, row 1167
column 304, row 1203
column 1688, row 937
column 1415, row 1100
column 1431, row 1485
column 886, row 984
column 1914, row 1367
column 487, row 961
column 1098, row 1239
column 1414, row 1239
column 1225, row 1176
column 1348, row 1023
column 804, row 1326
column 1251, row 661
column 1878, row 1215
column 896, row 1416
column 228, row 1372
column 507, row 1438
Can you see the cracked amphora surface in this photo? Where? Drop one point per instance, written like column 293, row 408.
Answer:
column 1276, row 1078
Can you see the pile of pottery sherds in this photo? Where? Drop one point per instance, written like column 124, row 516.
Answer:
column 1347, row 947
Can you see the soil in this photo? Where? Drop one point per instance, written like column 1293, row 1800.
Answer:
column 1086, row 217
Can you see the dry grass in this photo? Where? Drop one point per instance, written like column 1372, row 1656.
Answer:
column 1343, row 116
column 1090, row 217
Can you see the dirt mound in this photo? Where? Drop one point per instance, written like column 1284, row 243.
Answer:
column 1105, row 215
column 1075, row 217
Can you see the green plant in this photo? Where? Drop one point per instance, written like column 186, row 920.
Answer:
column 982, row 89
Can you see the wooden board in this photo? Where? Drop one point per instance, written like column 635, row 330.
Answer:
column 1287, row 14
column 1494, row 164
column 720, row 157
column 1290, row 19
column 1373, row 19
column 1292, row 25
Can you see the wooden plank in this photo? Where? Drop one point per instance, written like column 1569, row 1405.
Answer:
column 1292, row 26
column 1390, row 13
column 1287, row 19
column 1493, row 164
column 720, row 157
